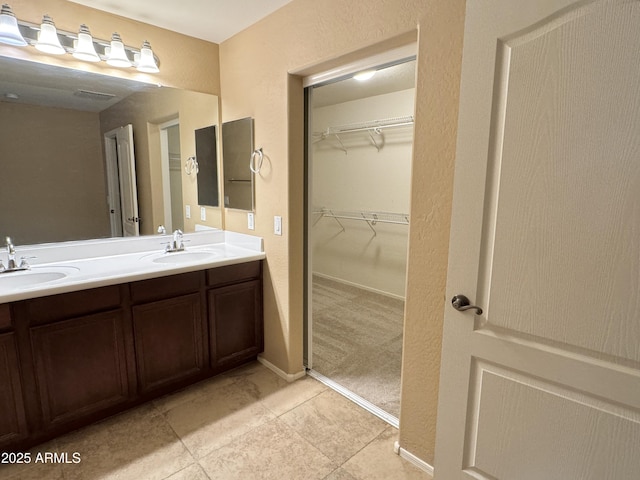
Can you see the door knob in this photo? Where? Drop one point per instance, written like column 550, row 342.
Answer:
column 462, row 303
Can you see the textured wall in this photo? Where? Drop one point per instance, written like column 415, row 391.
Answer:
column 308, row 36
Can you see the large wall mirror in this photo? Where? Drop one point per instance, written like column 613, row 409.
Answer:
column 77, row 149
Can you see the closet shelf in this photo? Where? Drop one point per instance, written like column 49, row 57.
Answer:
column 372, row 218
column 371, row 127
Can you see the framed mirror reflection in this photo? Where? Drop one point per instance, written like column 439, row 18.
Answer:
column 80, row 151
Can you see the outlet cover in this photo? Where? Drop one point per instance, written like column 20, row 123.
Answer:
column 250, row 221
column 203, row 214
column 187, row 211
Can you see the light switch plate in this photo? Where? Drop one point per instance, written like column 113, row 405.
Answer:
column 203, row 214
column 187, row 211
column 277, row 225
column 250, row 221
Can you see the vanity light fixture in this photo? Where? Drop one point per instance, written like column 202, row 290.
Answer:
column 116, row 55
column 145, row 61
column 48, row 40
column 364, row 75
column 83, row 46
column 9, row 31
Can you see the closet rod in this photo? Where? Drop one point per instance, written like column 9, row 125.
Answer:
column 370, row 125
column 372, row 218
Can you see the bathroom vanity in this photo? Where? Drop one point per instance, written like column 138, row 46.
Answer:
column 122, row 328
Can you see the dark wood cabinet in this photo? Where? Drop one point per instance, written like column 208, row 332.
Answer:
column 68, row 360
column 235, row 316
column 80, row 366
column 13, row 425
column 169, row 341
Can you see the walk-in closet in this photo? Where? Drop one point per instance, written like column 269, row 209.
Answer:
column 360, row 138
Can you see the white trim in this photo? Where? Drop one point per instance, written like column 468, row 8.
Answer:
column 165, row 169
column 360, row 286
column 411, row 458
column 394, row 55
column 357, row 399
column 289, row 377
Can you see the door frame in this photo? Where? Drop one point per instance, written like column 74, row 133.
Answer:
column 389, row 58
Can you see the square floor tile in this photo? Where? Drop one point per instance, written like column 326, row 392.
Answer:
column 334, row 425
column 270, row 452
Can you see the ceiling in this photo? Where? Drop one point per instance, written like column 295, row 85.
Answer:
column 211, row 20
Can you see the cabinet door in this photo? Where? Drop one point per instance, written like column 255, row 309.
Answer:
column 169, row 341
column 12, row 419
column 235, row 315
column 81, row 366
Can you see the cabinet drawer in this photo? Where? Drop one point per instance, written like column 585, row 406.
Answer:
column 165, row 287
column 68, row 305
column 233, row 273
column 5, row 316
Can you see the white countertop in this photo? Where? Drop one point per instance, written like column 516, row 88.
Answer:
column 79, row 265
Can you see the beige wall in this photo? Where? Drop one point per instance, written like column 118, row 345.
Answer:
column 52, row 189
column 308, row 36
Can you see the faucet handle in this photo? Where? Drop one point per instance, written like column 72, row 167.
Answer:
column 23, row 262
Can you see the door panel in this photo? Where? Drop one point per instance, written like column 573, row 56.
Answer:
column 545, row 236
column 569, row 109
column 568, row 426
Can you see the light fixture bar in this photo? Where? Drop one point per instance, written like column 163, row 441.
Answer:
column 30, row 33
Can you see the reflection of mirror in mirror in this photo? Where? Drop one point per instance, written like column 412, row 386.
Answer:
column 56, row 125
column 237, row 148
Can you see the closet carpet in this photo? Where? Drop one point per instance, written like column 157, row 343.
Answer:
column 357, row 341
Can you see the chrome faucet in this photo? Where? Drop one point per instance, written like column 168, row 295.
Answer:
column 11, row 263
column 11, row 259
column 176, row 245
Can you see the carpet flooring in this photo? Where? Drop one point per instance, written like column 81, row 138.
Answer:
column 357, row 341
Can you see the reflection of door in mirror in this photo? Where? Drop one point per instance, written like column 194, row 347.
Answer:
column 121, row 181
column 171, row 175
column 237, row 147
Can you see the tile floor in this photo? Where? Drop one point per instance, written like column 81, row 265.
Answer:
column 246, row 424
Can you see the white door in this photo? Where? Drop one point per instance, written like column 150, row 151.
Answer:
column 120, row 154
column 545, row 383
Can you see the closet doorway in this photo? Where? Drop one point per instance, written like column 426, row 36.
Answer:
column 359, row 150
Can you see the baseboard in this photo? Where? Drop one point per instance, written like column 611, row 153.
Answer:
column 412, row 459
column 360, row 286
column 289, row 377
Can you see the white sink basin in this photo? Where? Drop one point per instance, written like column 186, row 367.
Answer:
column 28, row 278
column 184, row 257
